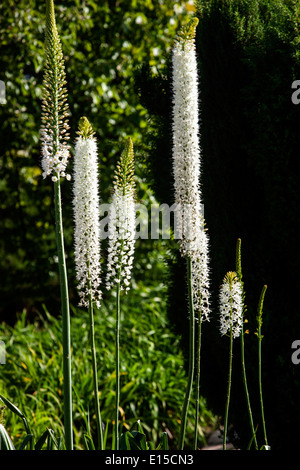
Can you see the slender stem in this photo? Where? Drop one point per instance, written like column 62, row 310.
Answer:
column 65, row 318
column 239, row 273
column 197, row 379
column 95, row 375
column 228, row 391
column 191, row 356
column 260, row 385
column 117, row 367
column 260, row 337
column 117, row 347
column 246, row 389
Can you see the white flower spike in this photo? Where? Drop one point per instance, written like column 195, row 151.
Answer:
column 186, row 165
column 87, row 216
column 121, row 227
column 54, row 164
column 231, row 305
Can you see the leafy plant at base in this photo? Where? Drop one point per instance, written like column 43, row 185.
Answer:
column 47, row 437
column 137, row 440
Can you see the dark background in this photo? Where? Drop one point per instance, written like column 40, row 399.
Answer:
column 248, row 59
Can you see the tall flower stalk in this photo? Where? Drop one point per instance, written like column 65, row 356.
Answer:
column 55, row 155
column 231, row 311
column 260, row 337
column 189, row 217
column 87, row 239
column 121, row 231
column 238, row 263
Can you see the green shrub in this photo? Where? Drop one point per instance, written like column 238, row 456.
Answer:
column 153, row 377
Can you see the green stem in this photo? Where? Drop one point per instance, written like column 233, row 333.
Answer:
column 260, row 386
column 67, row 386
column 246, row 389
column 191, row 356
column 95, row 375
column 260, row 337
column 238, row 263
column 197, row 380
column 117, row 367
column 228, row 391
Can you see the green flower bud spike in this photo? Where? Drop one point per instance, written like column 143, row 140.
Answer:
column 187, row 32
column 260, row 312
column 55, row 109
column 124, row 173
column 85, row 129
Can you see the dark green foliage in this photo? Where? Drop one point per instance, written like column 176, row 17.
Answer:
column 248, row 58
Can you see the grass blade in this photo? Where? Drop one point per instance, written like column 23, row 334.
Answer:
column 12, row 407
column 28, row 438
column 164, row 441
column 88, row 442
column 16, row 411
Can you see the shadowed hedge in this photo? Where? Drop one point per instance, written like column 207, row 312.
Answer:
column 248, row 58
